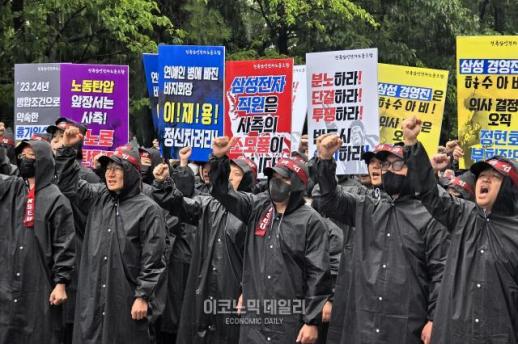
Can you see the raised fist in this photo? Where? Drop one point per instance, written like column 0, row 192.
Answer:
column 221, row 146
column 327, row 145
column 303, row 144
column 450, row 146
column 161, row 172
column 72, row 136
column 440, row 162
column 458, row 153
column 185, row 154
column 411, row 128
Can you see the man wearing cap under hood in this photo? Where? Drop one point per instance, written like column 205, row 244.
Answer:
column 341, row 238
column 123, row 248
column 215, row 272
column 149, row 158
column 478, row 302
column 286, row 265
column 36, row 249
column 7, row 156
column 56, row 131
column 397, row 256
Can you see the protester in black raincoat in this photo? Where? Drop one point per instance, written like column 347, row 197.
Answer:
column 7, row 156
column 286, row 263
column 36, row 250
column 398, row 255
column 341, row 236
column 478, row 303
column 55, row 136
column 123, row 248
column 150, row 158
column 214, row 279
column 168, row 293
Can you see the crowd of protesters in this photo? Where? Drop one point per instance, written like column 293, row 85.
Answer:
column 138, row 249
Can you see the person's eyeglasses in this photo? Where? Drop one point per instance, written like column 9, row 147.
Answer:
column 26, row 156
column 397, row 165
column 491, row 175
column 114, row 168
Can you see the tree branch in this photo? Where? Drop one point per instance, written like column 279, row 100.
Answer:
column 65, row 25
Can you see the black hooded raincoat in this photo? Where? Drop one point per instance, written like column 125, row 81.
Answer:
column 478, row 303
column 122, row 256
column 33, row 260
column 397, row 257
column 286, row 278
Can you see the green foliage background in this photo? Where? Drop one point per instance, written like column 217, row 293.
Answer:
column 408, row 32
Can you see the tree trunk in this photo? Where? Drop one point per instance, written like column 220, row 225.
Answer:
column 282, row 34
column 499, row 12
column 282, row 41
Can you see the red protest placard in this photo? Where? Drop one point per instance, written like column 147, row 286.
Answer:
column 258, row 102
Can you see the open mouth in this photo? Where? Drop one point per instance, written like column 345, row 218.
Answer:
column 484, row 190
column 376, row 174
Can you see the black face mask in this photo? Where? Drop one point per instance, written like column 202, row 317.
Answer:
column 147, row 174
column 279, row 190
column 393, row 183
column 27, row 168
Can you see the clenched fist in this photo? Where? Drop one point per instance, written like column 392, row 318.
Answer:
column 185, row 154
column 72, row 136
column 440, row 162
column 411, row 128
column 221, row 146
column 327, row 145
column 161, row 172
column 139, row 309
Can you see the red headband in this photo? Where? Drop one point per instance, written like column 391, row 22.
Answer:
column 396, row 150
column 250, row 164
column 459, row 182
column 123, row 155
column 292, row 166
column 35, row 137
column 505, row 168
column 7, row 140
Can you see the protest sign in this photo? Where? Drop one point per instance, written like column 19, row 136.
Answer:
column 97, row 97
column 258, row 102
column 405, row 91
column 343, row 99
column 487, row 105
column 190, row 98
column 36, row 98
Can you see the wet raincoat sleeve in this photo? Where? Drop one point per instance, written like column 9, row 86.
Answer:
column 184, row 179
column 238, row 203
column 78, row 191
column 437, row 244
column 152, row 261
column 63, row 249
column 169, row 197
column 5, row 164
column 335, row 202
column 444, row 208
column 317, row 277
column 10, row 186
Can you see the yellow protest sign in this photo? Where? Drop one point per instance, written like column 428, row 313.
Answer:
column 405, row 91
column 487, row 97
